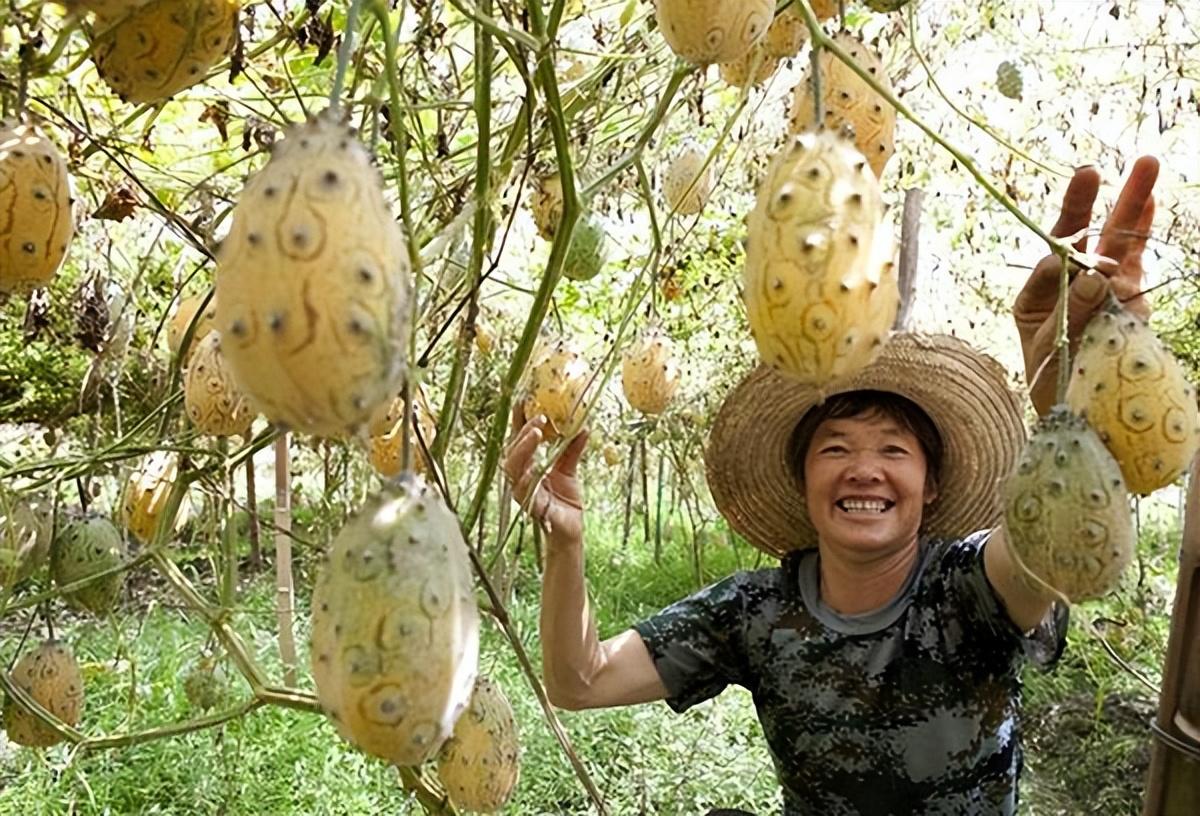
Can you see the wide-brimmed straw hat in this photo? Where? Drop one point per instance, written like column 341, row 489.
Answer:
column 965, row 393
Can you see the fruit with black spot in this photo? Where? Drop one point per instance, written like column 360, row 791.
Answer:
column 819, row 284
column 50, row 676
column 481, row 762
column 86, row 545
column 395, row 630
column 556, row 386
column 1067, row 522
column 650, row 371
column 35, row 196
column 313, row 285
column 25, row 532
column 708, row 31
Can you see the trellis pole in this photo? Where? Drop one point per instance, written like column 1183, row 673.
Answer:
column 285, row 590
column 1173, row 784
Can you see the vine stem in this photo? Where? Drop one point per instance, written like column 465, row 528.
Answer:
column 343, row 61
column 1063, row 341
column 822, row 40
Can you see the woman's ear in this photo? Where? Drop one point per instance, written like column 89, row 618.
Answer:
column 931, row 491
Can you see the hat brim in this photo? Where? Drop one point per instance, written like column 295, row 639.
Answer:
column 964, row 392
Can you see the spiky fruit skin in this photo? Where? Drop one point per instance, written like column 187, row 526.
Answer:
column 49, row 675
column 588, row 250
column 751, row 70
column 182, row 317
column 395, row 638
column 708, row 31
column 557, row 382
column 481, row 762
column 213, row 401
column 1066, row 511
column 819, row 284
column 1135, row 394
column 153, row 52
column 786, row 36
column 83, row 547
column 1009, row 81
column 35, row 208
column 387, row 438
column 25, row 532
column 848, row 100
column 312, row 285
column 204, row 685
column 146, row 493
column 688, row 184
column 823, row 9
column 547, row 205
column 650, row 372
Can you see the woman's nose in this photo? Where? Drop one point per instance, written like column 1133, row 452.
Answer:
column 864, row 467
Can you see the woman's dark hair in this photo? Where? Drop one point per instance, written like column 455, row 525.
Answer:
column 901, row 410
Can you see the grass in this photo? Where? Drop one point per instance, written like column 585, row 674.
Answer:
column 1086, row 737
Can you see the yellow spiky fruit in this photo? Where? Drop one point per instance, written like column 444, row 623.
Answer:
column 154, row 51
column 312, row 285
column 547, row 205
column 213, row 401
column 387, row 437
column 786, row 36
column 481, row 762
column 49, row 675
column 395, row 637
column 823, row 9
column 182, row 317
column 708, row 31
column 1066, row 520
column 35, row 208
column 556, row 387
column 688, row 183
column 650, row 372
column 819, row 284
column 1131, row 389
column 848, row 100
column 25, row 532
column 145, row 496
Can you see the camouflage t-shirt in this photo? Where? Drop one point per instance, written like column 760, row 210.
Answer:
column 910, row 709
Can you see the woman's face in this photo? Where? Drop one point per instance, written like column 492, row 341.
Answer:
column 865, row 484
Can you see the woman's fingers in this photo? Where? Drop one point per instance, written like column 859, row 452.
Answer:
column 1076, row 212
column 1128, row 226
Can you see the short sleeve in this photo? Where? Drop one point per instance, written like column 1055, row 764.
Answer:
column 698, row 643
column 962, row 570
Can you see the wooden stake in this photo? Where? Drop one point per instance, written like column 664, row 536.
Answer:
column 910, row 228
column 1173, row 785
column 285, row 595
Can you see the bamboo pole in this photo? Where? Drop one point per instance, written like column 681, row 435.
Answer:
column 910, row 229
column 1173, row 784
column 285, row 593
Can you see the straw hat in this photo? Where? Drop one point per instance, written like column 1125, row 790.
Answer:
column 963, row 391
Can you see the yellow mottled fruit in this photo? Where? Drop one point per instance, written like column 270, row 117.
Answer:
column 35, row 208
column 182, row 317
column 823, row 9
column 485, row 337
column 1134, row 393
column 708, row 31
column 212, row 399
column 753, row 69
column 25, row 532
column 612, row 455
column 50, row 676
column 848, row 100
column 547, row 205
column 387, row 437
column 1066, row 512
column 688, row 183
column 145, row 496
column 395, row 631
column 786, row 36
column 85, row 546
column 650, row 372
column 556, row 386
column 156, row 50
column 480, row 764
column 312, row 285
column 819, row 284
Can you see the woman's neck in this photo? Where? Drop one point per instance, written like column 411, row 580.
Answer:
column 852, row 585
